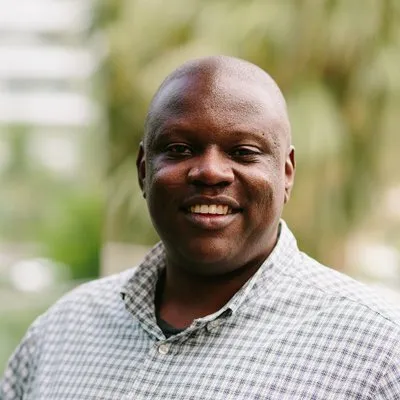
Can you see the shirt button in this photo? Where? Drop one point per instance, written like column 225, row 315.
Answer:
column 213, row 324
column 163, row 349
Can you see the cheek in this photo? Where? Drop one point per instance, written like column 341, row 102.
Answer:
column 266, row 193
column 165, row 177
column 163, row 188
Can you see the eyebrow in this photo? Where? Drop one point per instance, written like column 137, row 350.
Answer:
column 184, row 129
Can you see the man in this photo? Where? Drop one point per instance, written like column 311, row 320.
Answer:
column 225, row 306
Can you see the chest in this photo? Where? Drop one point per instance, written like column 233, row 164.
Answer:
column 227, row 361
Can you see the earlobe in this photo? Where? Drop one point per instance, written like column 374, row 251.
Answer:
column 141, row 168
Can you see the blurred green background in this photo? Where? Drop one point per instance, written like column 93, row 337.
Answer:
column 70, row 207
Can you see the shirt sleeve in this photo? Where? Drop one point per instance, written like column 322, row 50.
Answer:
column 389, row 384
column 19, row 371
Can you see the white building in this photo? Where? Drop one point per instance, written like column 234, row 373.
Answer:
column 46, row 61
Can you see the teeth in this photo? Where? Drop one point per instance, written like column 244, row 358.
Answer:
column 210, row 209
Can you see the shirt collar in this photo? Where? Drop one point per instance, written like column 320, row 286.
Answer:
column 139, row 290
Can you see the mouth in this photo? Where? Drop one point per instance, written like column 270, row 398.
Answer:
column 211, row 213
column 210, row 209
column 211, row 205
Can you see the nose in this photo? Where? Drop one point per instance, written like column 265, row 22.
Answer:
column 211, row 168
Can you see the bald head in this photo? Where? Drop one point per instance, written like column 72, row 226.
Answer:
column 224, row 78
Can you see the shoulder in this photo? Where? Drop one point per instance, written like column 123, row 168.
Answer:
column 98, row 297
column 349, row 295
column 75, row 316
column 101, row 289
column 89, row 309
column 346, row 316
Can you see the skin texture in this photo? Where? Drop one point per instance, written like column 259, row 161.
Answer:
column 217, row 131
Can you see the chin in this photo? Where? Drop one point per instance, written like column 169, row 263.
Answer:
column 208, row 258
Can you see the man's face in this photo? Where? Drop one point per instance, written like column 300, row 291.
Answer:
column 216, row 171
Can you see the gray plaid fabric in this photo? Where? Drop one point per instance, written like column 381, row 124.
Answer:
column 296, row 330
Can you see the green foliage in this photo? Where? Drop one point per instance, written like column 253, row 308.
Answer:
column 72, row 233
column 61, row 213
column 22, row 181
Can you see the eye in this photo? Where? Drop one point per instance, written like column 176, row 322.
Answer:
column 178, row 149
column 245, row 152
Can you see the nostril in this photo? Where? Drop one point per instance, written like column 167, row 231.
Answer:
column 210, row 174
column 205, row 184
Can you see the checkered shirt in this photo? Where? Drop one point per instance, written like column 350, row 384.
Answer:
column 296, row 330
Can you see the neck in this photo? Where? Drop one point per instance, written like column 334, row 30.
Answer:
column 186, row 296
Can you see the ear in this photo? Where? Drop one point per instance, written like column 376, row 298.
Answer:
column 141, row 168
column 290, row 167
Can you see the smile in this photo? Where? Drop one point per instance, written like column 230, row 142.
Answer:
column 213, row 209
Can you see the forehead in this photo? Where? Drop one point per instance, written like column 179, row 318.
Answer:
column 216, row 103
